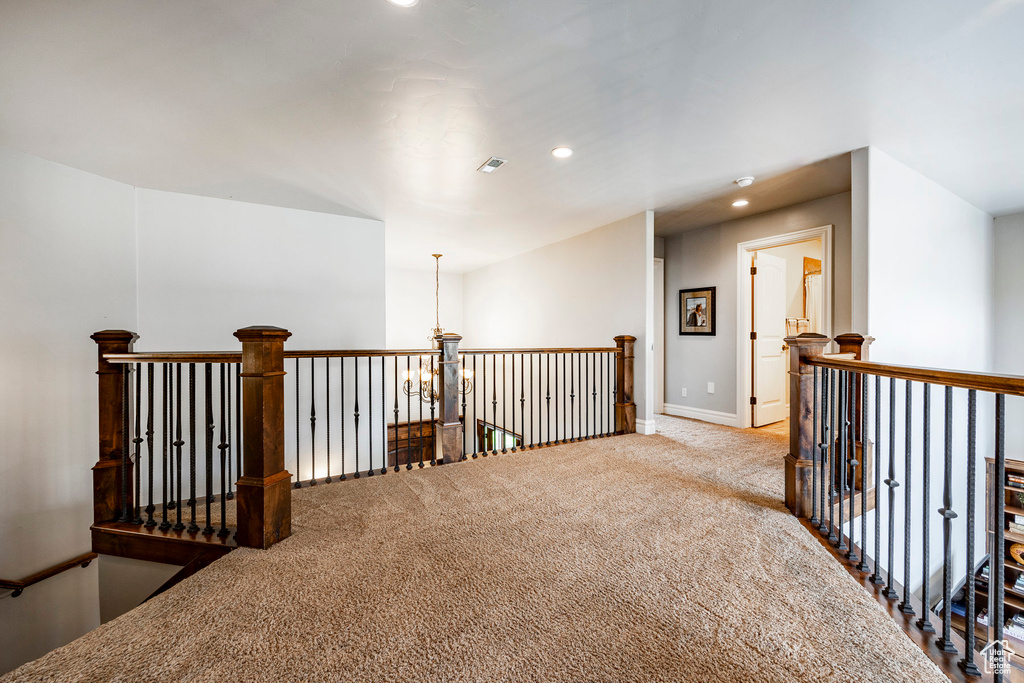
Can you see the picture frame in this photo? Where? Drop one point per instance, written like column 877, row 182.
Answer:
column 697, row 311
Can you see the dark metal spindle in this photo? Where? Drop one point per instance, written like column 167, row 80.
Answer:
column 476, row 440
column 826, row 427
column 312, row 421
column 905, row 606
column 843, row 460
column 924, row 623
column 369, row 412
column 327, row 407
column 947, row 528
column 833, row 440
column 355, row 365
column 513, row 399
column 223, row 455
column 421, row 411
column 193, row 527
column 549, row 397
column 238, row 418
column 494, row 403
column 433, row 395
column 298, row 477
column 522, row 398
column 150, row 509
column 876, row 577
column 341, row 391
column 891, row 484
column 465, row 415
column 566, row 418
column 483, row 446
column 383, row 418
column 997, row 569
column 967, row 663
column 208, row 391
column 125, row 386
column 396, row 418
column 504, row 402
column 572, row 401
column 814, row 453
column 178, row 443
column 165, row 411
column 138, row 444
column 851, row 451
column 226, row 373
column 864, row 566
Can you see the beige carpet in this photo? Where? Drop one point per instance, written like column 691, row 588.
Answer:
column 658, row 558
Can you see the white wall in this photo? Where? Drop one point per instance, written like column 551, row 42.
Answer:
column 929, row 302
column 1008, row 320
column 707, row 258
column 582, row 291
column 410, row 306
column 210, row 266
column 67, row 269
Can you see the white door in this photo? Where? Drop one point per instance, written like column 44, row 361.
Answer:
column 770, row 371
column 659, row 335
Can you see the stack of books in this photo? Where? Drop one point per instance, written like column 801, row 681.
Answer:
column 1016, row 524
column 1015, row 627
column 1015, row 480
column 983, row 574
column 1019, row 584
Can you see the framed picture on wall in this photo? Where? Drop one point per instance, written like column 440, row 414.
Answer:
column 697, row 311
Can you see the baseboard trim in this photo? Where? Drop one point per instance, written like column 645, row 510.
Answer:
column 645, row 427
column 714, row 416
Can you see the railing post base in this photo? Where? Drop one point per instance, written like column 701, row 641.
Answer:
column 800, row 459
column 625, row 408
column 266, row 506
column 449, row 425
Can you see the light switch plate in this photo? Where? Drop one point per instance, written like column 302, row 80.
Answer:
column 711, row 387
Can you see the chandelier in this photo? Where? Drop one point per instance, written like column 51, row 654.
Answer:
column 423, row 381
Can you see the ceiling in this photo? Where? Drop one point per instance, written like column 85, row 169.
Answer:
column 363, row 108
column 821, row 179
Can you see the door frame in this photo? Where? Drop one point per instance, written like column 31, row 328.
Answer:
column 743, row 304
column 659, row 341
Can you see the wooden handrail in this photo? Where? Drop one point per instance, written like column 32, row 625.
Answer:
column 611, row 349
column 19, row 586
column 175, row 357
column 1011, row 385
column 361, row 353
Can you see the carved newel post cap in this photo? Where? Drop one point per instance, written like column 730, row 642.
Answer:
column 109, row 336
column 625, row 338
column 262, row 332
column 808, row 339
column 449, row 337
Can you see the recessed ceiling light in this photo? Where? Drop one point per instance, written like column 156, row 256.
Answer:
column 740, row 202
column 403, row 3
column 745, row 181
column 561, row 152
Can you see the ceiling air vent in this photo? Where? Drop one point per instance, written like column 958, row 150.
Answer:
column 492, row 165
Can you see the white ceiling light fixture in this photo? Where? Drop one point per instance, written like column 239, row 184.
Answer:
column 740, row 202
column 492, row 165
column 745, row 181
column 404, row 3
column 561, row 152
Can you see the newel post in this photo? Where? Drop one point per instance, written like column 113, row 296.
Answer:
column 112, row 490
column 263, row 492
column 451, row 390
column 800, row 458
column 625, row 408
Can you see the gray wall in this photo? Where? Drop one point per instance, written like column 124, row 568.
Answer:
column 1008, row 319
column 708, row 258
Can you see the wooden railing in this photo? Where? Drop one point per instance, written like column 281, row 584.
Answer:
column 19, row 586
column 193, row 446
column 841, row 421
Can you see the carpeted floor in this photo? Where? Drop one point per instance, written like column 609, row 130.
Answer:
column 657, row 558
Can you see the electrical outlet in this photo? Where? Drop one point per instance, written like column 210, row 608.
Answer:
column 711, row 387
column 684, row 392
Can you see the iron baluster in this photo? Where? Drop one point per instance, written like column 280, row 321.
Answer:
column 465, row 415
column 513, row 399
column 238, row 419
column 843, row 461
column 833, row 455
column 826, row 427
column 383, row 419
column 572, row 400
column 396, row 417
column 125, row 385
column 193, row 527
column 476, row 440
column 945, row 643
column 494, row 402
column 967, row 663
column 298, row 471
column 341, row 391
column 355, row 366
column 178, row 443
column 150, row 509
column 223, row 456
column 225, row 377
column 327, row 407
column 208, row 400
column 137, row 440
column 421, row 417
column 814, row 453
column 312, row 422
column 863, row 564
column 548, row 355
column 999, row 524
column 369, row 412
column 876, row 577
column 165, row 411
column 924, row 623
column 891, row 484
column 433, row 451
column 905, row 606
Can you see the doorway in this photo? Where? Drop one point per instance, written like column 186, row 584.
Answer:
column 785, row 288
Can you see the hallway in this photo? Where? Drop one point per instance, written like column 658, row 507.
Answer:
column 636, row 558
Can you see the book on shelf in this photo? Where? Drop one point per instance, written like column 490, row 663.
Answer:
column 1016, row 528
column 1019, row 519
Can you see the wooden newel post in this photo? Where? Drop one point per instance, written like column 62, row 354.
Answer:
column 800, row 458
column 625, row 408
column 451, row 392
column 112, row 484
column 263, row 492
